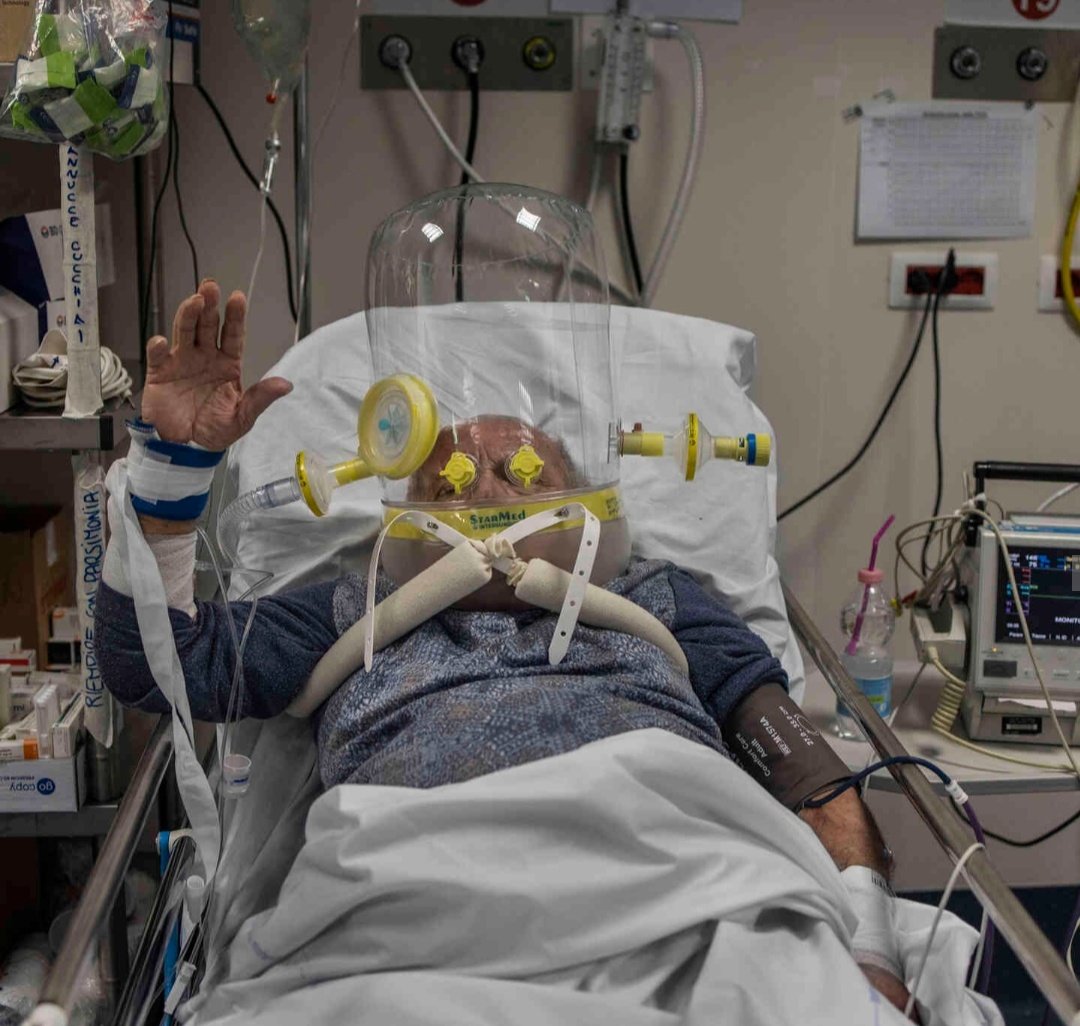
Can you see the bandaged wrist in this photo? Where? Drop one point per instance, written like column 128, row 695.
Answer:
column 774, row 741
column 875, row 942
column 168, row 480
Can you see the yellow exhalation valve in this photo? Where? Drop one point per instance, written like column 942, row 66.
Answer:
column 694, row 445
column 396, row 431
column 459, row 472
column 525, row 466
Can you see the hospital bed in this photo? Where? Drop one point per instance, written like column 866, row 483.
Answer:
column 722, row 528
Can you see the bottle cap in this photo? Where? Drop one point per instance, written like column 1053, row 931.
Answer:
column 236, row 769
column 868, row 576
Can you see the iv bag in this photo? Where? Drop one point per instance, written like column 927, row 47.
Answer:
column 276, row 35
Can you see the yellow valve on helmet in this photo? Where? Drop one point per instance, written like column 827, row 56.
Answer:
column 460, row 471
column 525, row 466
column 754, row 450
column 694, row 445
column 396, row 431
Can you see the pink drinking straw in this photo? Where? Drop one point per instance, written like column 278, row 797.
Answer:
column 868, row 576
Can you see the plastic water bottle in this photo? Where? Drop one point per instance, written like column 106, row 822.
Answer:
column 867, row 621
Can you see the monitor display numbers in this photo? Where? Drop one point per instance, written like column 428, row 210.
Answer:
column 1048, row 580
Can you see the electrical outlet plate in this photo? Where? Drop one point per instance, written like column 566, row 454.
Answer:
column 903, row 262
column 504, row 40
column 1050, row 300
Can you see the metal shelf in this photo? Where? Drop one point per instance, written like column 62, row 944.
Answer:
column 90, row 821
column 23, row 428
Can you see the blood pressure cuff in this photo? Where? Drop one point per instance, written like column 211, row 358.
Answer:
column 773, row 740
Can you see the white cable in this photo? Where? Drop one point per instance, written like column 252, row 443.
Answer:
column 322, row 130
column 976, row 962
column 406, row 73
column 1059, row 494
column 341, row 80
column 954, row 876
column 42, row 378
column 595, row 167
column 693, row 156
column 258, row 252
column 1068, row 950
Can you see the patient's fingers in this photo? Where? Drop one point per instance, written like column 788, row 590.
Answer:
column 186, row 321
column 157, row 351
column 206, row 333
column 257, row 398
column 232, row 334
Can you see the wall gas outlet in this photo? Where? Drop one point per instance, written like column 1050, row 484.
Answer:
column 518, row 53
column 1050, row 300
column 975, row 290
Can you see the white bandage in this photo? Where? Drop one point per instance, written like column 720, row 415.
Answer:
column 168, row 480
column 874, row 903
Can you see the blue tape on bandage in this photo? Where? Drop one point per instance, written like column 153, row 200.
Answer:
column 189, row 508
column 162, row 471
column 751, row 450
column 184, row 455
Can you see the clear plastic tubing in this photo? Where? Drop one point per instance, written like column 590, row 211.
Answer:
column 282, row 492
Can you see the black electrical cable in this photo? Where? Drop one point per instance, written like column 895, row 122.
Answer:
column 877, row 426
column 470, row 152
column 474, row 121
column 1012, row 842
column 144, row 326
column 628, row 225
column 175, row 128
column 255, row 182
column 946, row 283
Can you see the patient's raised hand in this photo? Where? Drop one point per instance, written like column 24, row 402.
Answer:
column 193, row 390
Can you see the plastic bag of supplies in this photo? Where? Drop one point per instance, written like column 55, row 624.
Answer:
column 91, row 74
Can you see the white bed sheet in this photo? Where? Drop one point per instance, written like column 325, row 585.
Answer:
column 642, row 879
column 720, row 527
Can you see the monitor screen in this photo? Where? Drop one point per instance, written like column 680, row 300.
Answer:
column 1049, row 583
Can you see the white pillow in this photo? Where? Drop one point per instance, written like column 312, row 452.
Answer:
column 721, row 527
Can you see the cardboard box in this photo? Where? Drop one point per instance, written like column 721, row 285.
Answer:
column 32, row 255
column 64, row 624
column 16, row 17
column 36, row 571
column 44, row 785
column 21, row 661
column 19, row 338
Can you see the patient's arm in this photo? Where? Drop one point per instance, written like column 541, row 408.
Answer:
column 849, row 833
column 289, row 634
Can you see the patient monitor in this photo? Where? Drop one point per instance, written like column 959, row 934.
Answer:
column 1003, row 701
column 975, row 632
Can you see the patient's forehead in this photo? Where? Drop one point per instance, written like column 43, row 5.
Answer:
column 491, row 440
column 495, row 437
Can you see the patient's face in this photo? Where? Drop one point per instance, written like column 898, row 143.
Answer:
column 491, row 442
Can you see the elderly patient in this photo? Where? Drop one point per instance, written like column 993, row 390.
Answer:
column 468, row 692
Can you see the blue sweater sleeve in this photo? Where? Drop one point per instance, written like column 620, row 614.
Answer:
column 289, row 634
column 727, row 660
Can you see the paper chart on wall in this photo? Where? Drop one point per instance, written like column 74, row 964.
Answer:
column 947, row 170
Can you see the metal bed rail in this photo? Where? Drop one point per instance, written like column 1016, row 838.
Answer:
column 104, row 885
column 1038, row 956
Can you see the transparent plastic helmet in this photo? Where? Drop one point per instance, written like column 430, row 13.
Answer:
column 495, row 296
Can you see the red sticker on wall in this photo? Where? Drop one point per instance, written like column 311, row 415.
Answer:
column 1035, row 10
